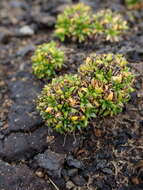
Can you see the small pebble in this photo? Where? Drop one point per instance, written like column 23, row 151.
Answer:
column 107, row 171
column 25, row 50
column 69, row 185
column 39, row 174
column 26, row 31
column 78, row 180
column 72, row 172
column 74, row 162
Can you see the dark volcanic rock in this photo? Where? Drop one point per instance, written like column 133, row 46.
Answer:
column 133, row 187
column 18, row 4
column 79, row 180
column 23, row 114
column 20, row 177
column 19, row 146
column 5, row 35
column 51, row 161
column 44, row 20
column 100, row 164
column 72, row 172
column 51, row 5
column 25, row 50
column 74, row 162
column 24, row 88
column 23, row 117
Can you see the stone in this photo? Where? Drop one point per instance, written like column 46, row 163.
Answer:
column 25, row 50
column 18, row 4
column 50, row 161
column 5, row 35
column 69, row 185
column 107, row 171
column 132, row 187
column 101, row 164
column 79, row 180
column 24, row 87
column 39, row 174
column 24, row 117
column 22, row 146
column 24, row 91
column 60, row 182
column 1, row 123
column 74, row 162
column 72, row 172
column 26, row 31
column 51, row 5
column 44, row 20
column 20, row 177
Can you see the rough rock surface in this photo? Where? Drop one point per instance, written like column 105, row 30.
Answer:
column 20, row 177
column 22, row 146
column 24, row 91
column 51, row 162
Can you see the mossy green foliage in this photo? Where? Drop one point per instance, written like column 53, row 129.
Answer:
column 132, row 2
column 61, row 106
column 110, row 25
column 74, row 23
column 47, row 59
column 100, row 88
column 109, row 82
column 78, row 23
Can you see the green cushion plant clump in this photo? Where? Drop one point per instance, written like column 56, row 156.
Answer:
column 79, row 23
column 109, row 82
column 62, row 105
column 74, row 23
column 47, row 59
column 109, row 25
column 100, row 88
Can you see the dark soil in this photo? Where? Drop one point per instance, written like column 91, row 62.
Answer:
column 108, row 155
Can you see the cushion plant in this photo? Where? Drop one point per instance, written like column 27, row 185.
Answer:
column 47, row 59
column 74, row 23
column 109, row 25
column 100, row 88
column 79, row 23
column 109, row 82
column 61, row 105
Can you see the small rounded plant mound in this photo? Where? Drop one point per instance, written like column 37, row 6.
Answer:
column 47, row 59
column 63, row 105
column 109, row 82
column 110, row 25
column 78, row 23
column 74, row 23
column 101, row 87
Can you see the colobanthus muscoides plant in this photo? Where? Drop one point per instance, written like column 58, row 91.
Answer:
column 109, row 25
column 47, row 60
column 109, row 82
column 78, row 23
column 61, row 106
column 74, row 23
column 100, row 88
